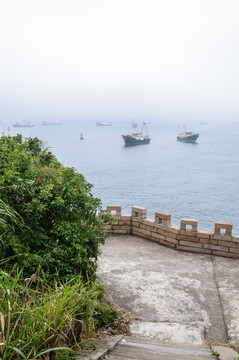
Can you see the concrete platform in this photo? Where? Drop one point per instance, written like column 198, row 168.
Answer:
column 177, row 297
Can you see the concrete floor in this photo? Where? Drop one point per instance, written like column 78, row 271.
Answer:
column 176, row 296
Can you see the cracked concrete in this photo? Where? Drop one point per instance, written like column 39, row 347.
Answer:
column 180, row 296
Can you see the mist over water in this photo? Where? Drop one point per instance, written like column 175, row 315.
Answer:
column 197, row 181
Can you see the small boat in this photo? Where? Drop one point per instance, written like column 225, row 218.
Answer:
column 51, row 122
column 187, row 136
column 23, row 124
column 104, row 123
column 81, row 136
column 137, row 137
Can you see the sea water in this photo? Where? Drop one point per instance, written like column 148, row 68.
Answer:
column 198, row 181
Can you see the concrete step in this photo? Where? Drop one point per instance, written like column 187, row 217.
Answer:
column 140, row 348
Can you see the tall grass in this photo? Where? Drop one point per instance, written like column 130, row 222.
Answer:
column 38, row 321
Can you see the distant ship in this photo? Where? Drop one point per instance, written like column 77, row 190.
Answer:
column 137, row 137
column 104, row 123
column 187, row 136
column 23, row 124
column 134, row 124
column 51, row 122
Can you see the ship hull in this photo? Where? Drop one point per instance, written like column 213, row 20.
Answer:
column 131, row 141
column 188, row 139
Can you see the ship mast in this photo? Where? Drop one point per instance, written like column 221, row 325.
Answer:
column 144, row 127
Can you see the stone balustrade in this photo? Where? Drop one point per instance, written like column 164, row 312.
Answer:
column 221, row 242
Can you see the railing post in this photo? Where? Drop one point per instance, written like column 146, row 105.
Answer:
column 139, row 212
column 189, row 222
column 219, row 226
column 162, row 218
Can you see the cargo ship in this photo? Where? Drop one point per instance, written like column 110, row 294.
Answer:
column 104, row 123
column 23, row 124
column 137, row 137
column 51, row 122
column 187, row 136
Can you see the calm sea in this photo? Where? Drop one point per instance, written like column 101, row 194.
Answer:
column 198, row 181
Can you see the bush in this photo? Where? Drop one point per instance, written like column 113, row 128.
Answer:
column 60, row 230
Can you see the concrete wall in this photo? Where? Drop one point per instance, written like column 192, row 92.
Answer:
column 185, row 238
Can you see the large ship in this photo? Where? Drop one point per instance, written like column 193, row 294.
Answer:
column 104, row 123
column 23, row 124
column 187, row 136
column 137, row 137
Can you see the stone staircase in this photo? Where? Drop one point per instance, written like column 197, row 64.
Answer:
column 134, row 347
column 140, row 348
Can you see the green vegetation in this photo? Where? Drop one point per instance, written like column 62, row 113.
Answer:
column 50, row 234
column 236, row 348
column 47, row 322
column 60, row 230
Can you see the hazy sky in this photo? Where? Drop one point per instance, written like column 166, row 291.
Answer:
column 159, row 59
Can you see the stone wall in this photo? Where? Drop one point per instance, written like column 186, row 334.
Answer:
column 184, row 238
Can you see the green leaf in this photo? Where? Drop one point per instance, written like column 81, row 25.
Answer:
column 18, row 351
column 53, row 349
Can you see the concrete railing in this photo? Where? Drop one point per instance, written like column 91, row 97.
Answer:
column 221, row 242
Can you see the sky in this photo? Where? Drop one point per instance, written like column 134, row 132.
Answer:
column 119, row 59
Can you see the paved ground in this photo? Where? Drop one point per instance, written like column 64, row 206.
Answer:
column 177, row 296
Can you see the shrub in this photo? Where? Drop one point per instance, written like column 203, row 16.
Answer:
column 60, row 230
